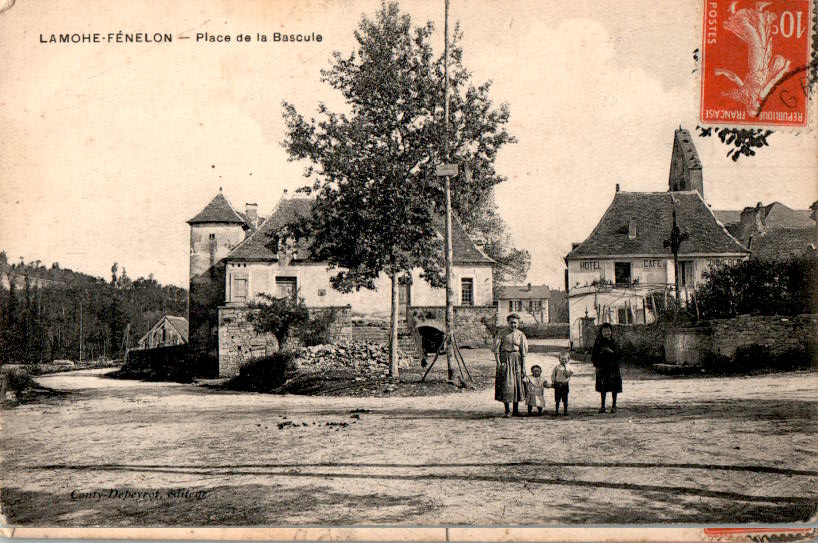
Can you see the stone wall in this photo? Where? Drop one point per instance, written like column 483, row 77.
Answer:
column 472, row 324
column 239, row 342
column 779, row 335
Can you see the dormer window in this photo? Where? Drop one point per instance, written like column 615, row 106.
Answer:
column 632, row 230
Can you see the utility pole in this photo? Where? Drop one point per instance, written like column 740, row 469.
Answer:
column 449, row 253
column 80, row 331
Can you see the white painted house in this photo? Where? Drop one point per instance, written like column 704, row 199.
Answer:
column 254, row 268
column 622, row 272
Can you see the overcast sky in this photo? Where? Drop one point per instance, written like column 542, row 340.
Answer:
column 109, row 148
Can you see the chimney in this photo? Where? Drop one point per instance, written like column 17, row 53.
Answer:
column 529, row 287
column 617, row 187
column 251, row 210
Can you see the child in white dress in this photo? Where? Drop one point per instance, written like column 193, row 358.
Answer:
column 535, row 385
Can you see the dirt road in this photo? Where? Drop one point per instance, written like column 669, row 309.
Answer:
column 122, row 453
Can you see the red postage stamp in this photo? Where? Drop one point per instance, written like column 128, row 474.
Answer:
column 755, row 62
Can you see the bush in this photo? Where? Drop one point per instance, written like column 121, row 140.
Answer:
column 760, row 287
column 316, row 330
column 278, row 316
column 19, row 381
column 265, row 374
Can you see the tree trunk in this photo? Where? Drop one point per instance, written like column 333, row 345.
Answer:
column 393, row 329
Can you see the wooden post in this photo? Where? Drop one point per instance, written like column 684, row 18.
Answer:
column 449, row 253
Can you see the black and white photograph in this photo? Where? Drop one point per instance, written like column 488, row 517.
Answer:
column 440, row 270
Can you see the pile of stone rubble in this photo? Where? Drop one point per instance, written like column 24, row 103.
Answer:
column 367, row 358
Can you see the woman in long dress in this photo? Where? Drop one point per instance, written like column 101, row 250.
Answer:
column 605, row 357
column 510, row 352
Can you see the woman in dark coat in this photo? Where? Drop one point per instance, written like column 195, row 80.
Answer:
column 605, row 358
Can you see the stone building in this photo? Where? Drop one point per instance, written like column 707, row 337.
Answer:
column 214, row 232
column 233, row 262
column 623, row 271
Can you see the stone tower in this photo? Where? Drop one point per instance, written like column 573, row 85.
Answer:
column 685, row 166
column 214, row 232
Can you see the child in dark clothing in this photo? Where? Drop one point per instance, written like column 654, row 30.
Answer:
column 559, row 380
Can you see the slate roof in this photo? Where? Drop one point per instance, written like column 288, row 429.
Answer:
column 218, row 210
column 783, row 243
column 254, row 247
column 522, row 292
column 651, row 214
column 777, row 215
column 464, row 251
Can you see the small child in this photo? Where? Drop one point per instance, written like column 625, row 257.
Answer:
column 559, row 377
column 535, row 390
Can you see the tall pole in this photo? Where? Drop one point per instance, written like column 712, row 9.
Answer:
column 449, row 253
column 80, row 331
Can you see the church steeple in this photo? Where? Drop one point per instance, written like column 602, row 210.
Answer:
column 685, row 166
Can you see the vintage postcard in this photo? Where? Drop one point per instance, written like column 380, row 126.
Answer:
column 429, row 270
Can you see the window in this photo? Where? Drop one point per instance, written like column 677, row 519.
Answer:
column 285, row 287
column 622, row 273
column 212, row 236
column 625, row 315
column 515, row 305
column 239, row 289
column 535, row 305
column 686, row 276
column 467, row 291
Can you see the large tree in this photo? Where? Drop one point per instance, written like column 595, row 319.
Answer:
column 372, row 165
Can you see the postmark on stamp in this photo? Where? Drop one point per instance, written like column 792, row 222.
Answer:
column 755, row 62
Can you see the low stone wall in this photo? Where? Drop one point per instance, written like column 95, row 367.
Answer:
column 240, row 343
column 778, row 334
column 472, row 324
column 722, row 338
